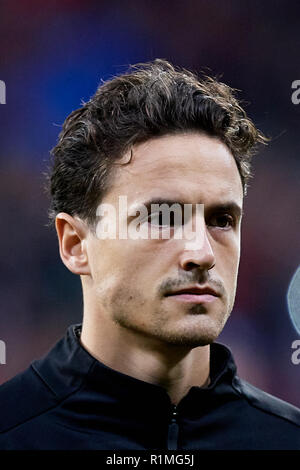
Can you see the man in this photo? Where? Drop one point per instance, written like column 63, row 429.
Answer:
column 143, row 371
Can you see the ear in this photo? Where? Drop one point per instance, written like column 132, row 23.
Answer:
column 72, row 236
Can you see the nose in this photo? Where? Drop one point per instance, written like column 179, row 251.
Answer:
column 201, row 255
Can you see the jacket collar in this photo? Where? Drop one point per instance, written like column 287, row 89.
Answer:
column 69, row 366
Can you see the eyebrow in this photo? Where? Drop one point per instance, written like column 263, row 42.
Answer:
column 227, row 206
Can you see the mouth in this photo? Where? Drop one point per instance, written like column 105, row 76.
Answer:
column 197, row 295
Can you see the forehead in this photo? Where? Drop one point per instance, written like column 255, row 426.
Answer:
column 192, row 167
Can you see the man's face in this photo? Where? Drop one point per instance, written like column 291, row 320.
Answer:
column 131, row 279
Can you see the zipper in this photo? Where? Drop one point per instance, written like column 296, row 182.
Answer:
column 173, row 429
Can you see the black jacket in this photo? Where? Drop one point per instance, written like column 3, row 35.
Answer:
column 70, row 400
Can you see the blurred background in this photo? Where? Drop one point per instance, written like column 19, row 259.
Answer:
column 53, row 55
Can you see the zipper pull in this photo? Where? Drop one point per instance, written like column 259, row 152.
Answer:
column 173, row 430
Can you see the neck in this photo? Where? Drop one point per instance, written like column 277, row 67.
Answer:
column 175, row 368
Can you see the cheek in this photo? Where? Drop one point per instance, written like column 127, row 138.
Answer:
column 107, row 257
column 233, row 266
column 228, row 258
column 118, row 264
column 228, row 273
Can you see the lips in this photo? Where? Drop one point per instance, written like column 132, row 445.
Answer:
column 194, row 290
column 194, row 295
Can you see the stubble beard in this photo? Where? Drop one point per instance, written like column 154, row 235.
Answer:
column 198, row 327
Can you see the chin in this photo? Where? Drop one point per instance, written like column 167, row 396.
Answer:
column 202, row 331
column 192, row 339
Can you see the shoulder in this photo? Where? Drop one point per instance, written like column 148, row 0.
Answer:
column 23, row 397
column 31, row 396
column 267, row 404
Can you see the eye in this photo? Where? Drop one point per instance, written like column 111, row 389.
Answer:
column 221, row 220
column 155, row 218
column 168, row 220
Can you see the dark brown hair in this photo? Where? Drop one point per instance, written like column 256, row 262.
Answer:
column 150, row 100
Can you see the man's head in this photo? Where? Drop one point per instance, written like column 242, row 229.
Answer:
column 156, row 133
